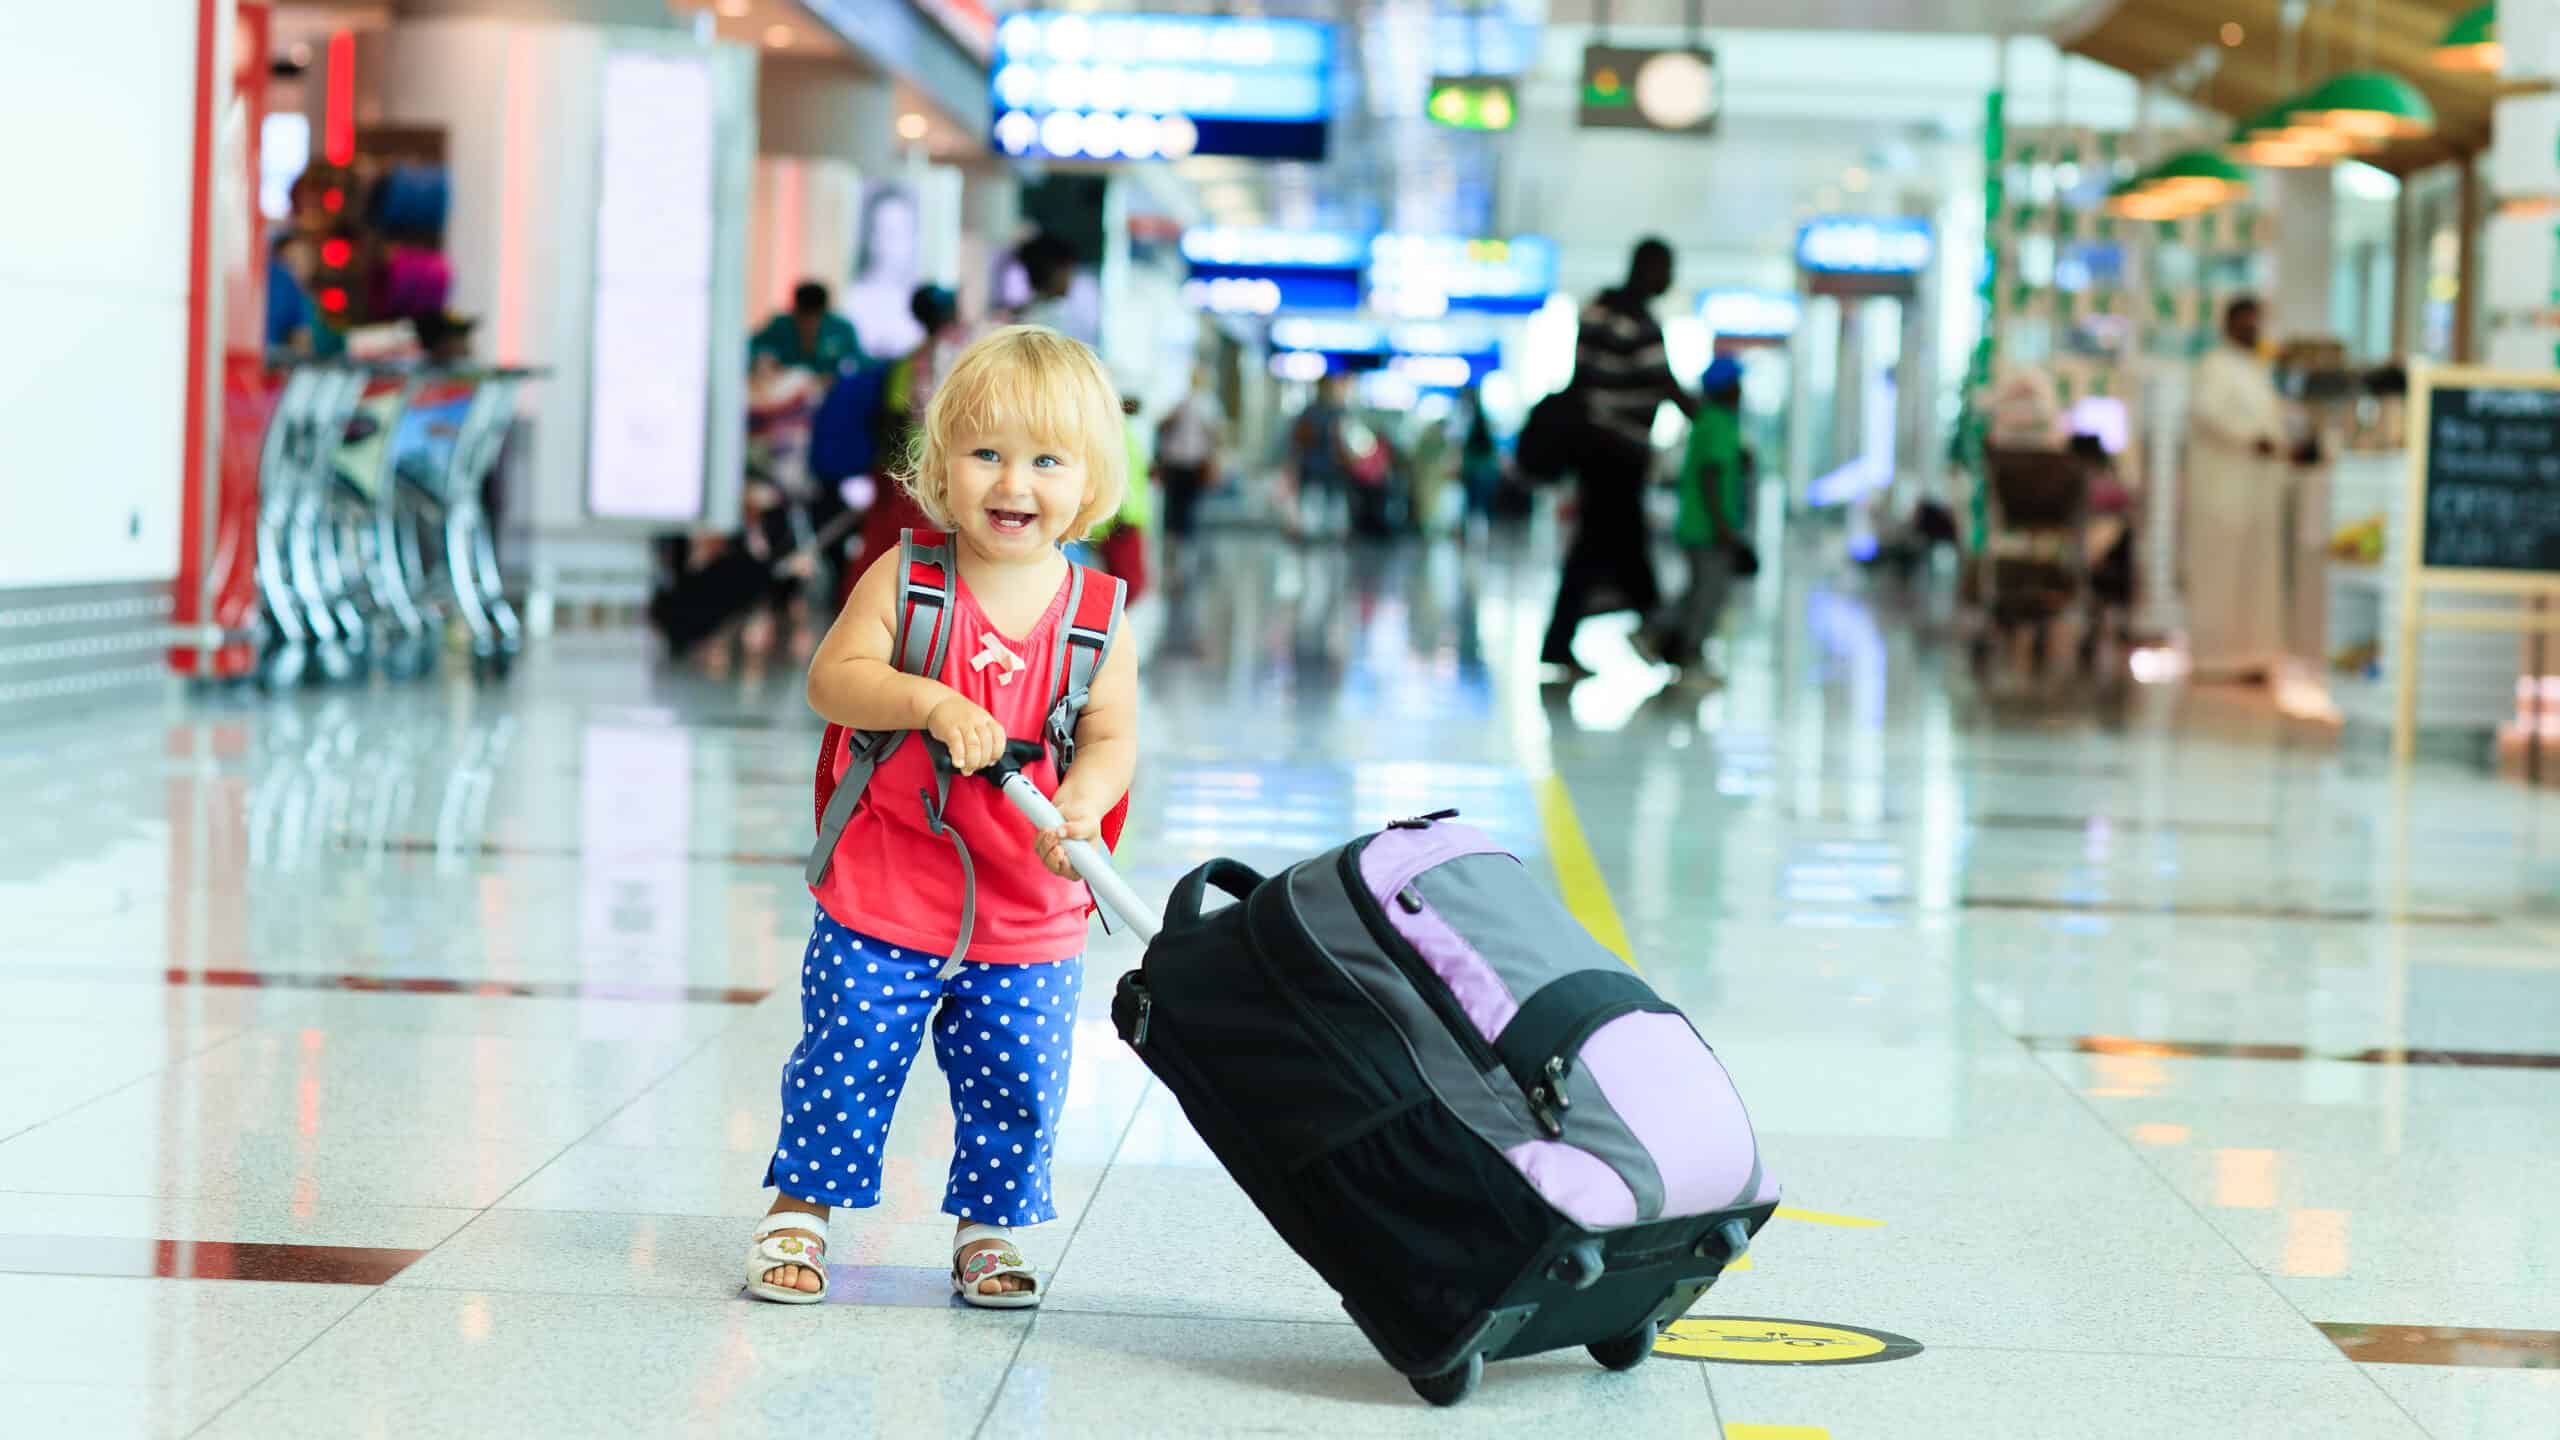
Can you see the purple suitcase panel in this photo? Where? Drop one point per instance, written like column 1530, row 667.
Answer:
column 1665, row 1087
column 1393, row 861
column 1672, row 1093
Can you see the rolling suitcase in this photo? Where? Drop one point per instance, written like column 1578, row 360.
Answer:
column 1484, row 1131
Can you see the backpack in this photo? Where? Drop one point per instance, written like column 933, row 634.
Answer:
column 844, row 436
column 922, row 641
column 1551, row 436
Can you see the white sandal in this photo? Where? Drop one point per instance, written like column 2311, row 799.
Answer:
column 773, row 1249
column 987, row 1265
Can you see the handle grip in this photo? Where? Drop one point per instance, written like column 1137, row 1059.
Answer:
column 1236, row 878
column 1091, row 861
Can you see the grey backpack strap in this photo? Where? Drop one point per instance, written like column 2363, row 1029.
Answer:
column 1081, row 653
column 936, row 800
column 921, row 640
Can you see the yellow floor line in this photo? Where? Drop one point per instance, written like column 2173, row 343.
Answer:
column 1736, row 1430
column 1818, row 1217
column 1586, row 892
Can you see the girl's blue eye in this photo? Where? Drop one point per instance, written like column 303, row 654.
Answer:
column 1048, row 460
column 982, row 454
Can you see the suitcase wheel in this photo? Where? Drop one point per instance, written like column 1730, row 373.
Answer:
column 1451, row 1386
column 1627, row 1351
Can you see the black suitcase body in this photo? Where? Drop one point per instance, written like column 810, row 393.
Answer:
column 1318, row 1107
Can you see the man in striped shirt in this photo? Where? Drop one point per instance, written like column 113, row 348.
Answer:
column 1623, row 375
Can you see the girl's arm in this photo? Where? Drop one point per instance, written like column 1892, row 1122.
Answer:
column 1106, row 758
column 854, row 682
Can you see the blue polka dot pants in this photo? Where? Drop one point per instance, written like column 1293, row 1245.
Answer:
column 1002, row 1035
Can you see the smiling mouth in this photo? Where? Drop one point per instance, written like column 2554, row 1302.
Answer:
column 1011, row 522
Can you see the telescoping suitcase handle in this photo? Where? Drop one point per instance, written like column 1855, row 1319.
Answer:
column 1092, row 862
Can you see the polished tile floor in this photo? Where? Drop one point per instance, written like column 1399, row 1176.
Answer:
column 399, row 1062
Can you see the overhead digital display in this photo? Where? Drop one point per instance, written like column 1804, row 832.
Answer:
column 1425, row 276
column 1144, row 87
column 1864, row 245
column 1238, row 271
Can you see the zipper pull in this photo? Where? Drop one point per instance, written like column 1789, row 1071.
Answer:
column 1146, row 1012
column 1556, row 1071
column 1546, row 1117
column 1409, row 900
column 1421, row 822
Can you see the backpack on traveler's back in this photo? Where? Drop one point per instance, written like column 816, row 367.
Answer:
column 1551, row 436
column 928, row 570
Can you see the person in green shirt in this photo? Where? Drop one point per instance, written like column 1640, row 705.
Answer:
column 811, row 336
column 1713, row 518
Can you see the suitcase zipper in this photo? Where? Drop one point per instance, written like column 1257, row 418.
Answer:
column 1417, row 971
column 1547, row 1098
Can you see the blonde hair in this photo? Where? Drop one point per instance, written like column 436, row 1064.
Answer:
column 1055, row 388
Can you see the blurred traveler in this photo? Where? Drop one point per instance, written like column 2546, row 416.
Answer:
column 1713, row 517
column 811, row 336
column 905, row 395
column 1319, row 459
column 1187, row 444
column 1479, row 461
column 1623, row 375
column 2235, row 561
column 1049, row 267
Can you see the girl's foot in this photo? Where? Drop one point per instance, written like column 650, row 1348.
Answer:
column 987, row 1270
column 800, row 1249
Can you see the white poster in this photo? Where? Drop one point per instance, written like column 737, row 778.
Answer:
column 649, row 385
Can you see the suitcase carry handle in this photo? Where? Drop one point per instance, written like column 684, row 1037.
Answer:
column 1236, row 878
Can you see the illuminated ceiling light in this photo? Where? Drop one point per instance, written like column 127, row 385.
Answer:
column 2472, row 43
column 1063, row 134
column 2373, row 104
column 779, row 37
column 1139, row 137
column 1019, row 85
column 912, row 126
column 1176, row 136
column 1017, row 132
column 735, row 9
column 1102, row 136
column 2284, row 134
column 1675, row 90
column 1070, row 37
column 2232, row 34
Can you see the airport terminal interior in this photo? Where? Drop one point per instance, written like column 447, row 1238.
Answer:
column 1995, row 556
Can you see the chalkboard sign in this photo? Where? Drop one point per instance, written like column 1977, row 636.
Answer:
column 2492, row 478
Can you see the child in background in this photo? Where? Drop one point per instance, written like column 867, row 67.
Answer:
column 1713, row 517
column 1023, row 448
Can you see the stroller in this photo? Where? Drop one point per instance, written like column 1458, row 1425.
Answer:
column 2033, row 565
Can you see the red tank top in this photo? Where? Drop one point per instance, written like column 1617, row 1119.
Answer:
column 895, row 879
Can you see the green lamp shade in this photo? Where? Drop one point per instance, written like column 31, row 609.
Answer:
column 2282, row 137
column 2472, row 43
column 2369, row 105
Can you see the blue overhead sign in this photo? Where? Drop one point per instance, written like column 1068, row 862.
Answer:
column 1864, row 245
column 1236, row 270
column 1142, row 87
column 1425, row 276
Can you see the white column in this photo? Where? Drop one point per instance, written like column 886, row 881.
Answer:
column 2522, row 269
column 2304, row 252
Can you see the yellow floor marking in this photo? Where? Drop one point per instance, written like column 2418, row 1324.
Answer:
column 1586, row 891
column 1817, row 1217
column 1736, row 1430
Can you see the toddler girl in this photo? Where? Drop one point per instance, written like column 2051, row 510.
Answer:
column 1021, row 449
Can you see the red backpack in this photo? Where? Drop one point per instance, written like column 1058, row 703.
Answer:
column 922, row 640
